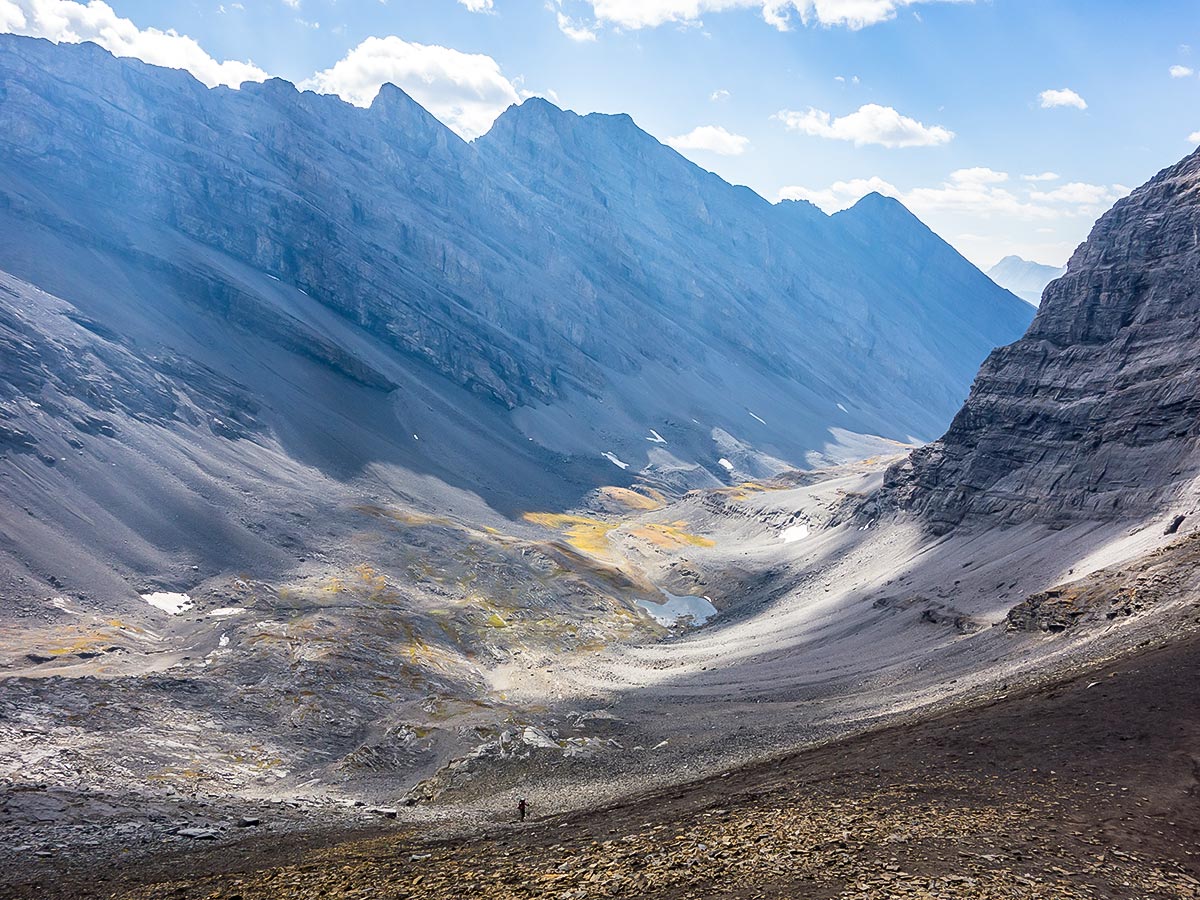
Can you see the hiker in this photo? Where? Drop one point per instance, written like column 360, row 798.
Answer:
column 521, row 808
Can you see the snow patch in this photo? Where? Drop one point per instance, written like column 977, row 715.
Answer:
column 613, row 459
column 225, row 611
column 655, row 437
column 794, row 533
column 757, row 418
column 725, row 464
column 842, row 408
column 171, row 604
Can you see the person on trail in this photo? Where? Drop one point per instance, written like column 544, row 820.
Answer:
column 521, row 808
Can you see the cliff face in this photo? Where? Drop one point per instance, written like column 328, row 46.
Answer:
column 1094, row 413
column 559, row 257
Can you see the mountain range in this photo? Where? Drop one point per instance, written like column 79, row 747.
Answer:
column 283, row 283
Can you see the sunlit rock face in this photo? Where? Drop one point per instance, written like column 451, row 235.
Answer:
column 1094, row 413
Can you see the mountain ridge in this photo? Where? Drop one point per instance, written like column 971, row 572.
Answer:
column 574, row 301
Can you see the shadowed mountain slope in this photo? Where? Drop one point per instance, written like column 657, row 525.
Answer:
column 511, row 317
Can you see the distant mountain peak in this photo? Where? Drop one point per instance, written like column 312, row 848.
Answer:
column 1023, row 277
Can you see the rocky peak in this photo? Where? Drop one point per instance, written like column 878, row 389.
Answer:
column 1094, row 413
column 408, row 124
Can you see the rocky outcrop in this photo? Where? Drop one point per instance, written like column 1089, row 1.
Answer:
column 1094, row 413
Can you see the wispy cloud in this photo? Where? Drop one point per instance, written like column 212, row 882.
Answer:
column 870, row 124
column 576, row 31
column 854, row 14
column 979, row 192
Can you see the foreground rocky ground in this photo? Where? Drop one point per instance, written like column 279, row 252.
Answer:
column 1088, row 788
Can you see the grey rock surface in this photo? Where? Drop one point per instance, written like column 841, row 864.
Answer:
column 1094, row 413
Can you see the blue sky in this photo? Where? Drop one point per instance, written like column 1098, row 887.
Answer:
column 951, row 105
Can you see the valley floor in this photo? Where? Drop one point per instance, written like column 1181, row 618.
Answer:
column 1084, row 788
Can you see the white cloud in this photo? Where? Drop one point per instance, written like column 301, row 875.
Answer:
column 718, row 96
column 712, row 138
column 1194, row 137
column 467, row 91
column 975, row 193
column 478, row 6
column 1081, row 194
column 987, row 214
column 1061, row 97
column 1181, row 72
column 969, row 192
column 64, row 21
column 871, row 124
column 840, row 194
column 575, row 30
column 1044, row 176
column 853, row 14
column 294, row 4
column 978, row 175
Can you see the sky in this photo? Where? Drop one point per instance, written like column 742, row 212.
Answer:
column 1008, row 126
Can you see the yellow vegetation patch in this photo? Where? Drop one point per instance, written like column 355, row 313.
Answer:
column 583, row 533
column 743, row 490
column 370, row 578
column 643, row 498
column 670, row 536
column 404, row 516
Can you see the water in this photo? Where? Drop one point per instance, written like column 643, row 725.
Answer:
column 679, row 609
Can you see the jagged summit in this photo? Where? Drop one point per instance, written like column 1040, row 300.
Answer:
column 536, row 125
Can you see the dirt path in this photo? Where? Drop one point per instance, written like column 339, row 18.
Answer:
column 1090, row 788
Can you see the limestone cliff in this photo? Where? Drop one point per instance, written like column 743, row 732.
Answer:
column 1095, row 412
